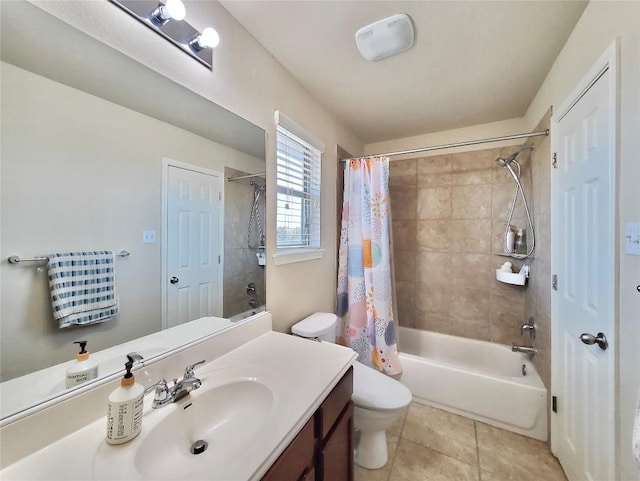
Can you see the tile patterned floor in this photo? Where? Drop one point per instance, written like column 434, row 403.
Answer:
column 428, row 444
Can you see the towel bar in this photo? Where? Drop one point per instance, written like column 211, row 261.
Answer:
column 17, row 259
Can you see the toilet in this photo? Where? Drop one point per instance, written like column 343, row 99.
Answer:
column 378, row 399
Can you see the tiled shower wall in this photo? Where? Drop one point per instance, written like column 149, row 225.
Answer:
column 538, row 292
column 240, row 262
column 448, row 216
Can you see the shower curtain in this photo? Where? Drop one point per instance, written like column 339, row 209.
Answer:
column 365, row 289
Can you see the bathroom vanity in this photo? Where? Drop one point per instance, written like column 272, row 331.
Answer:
column 271, row 407
column 323, row 450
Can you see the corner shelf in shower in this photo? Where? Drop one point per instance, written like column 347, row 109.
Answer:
column 514, row 278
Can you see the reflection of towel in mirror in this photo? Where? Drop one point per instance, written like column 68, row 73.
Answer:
column 83, row 287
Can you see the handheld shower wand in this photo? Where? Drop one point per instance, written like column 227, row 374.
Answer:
column 506, row 163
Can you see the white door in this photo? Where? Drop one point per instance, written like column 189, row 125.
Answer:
column 583, row 300
column 193, row 280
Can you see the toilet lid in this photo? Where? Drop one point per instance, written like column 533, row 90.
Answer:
column 374, row 390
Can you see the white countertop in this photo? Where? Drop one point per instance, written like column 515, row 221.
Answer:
column 301, row 374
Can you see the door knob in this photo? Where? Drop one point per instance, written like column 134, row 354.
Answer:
column 175, row 280
column 590, row 339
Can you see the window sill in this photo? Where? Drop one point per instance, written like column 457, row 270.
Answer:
column 289, row 256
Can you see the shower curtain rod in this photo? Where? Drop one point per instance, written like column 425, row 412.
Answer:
column 456, row 144
column 248, row 176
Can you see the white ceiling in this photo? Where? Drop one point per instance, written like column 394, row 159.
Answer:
column 473, row 62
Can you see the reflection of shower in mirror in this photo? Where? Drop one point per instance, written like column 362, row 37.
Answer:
column 254, row 218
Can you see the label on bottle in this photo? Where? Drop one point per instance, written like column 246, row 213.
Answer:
column 79, row 377
column 124, row 420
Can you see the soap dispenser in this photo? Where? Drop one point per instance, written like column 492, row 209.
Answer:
column 124, row 414
column 84, row 369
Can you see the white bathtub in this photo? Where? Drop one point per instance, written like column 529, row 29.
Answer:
column 477, row 379
column 246, row 314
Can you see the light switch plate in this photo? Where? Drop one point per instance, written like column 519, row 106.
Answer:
column 148, row 237
column 632, row 238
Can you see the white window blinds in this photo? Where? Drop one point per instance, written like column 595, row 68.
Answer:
column 298, row 181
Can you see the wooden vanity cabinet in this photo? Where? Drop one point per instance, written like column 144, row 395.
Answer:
column 323, row 450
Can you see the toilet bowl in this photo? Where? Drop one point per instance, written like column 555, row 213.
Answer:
column 378, row 400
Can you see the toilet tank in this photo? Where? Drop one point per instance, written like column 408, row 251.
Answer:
column 320, row 324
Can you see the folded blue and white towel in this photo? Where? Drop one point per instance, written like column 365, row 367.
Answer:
column 83, row 287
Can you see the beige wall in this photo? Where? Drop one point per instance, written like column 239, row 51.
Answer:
column 249, row 81
column 81, row 173
column 600, row 25
column 449, row 215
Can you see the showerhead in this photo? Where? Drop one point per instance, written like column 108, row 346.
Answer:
column 507, row 161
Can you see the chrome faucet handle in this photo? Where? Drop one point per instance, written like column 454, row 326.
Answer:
column 188, row 371
column 162, row 395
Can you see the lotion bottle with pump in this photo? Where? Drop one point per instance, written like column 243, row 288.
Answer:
column 83, row 370
column 124, row 414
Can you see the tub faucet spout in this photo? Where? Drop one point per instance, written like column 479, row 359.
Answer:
column 524, row 349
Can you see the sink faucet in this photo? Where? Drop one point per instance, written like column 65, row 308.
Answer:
column 165, row 394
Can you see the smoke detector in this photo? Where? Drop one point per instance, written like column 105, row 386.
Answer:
column 385, row 37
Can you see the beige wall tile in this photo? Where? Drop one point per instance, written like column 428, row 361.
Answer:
column 404, row 235
column 437, row 164
column 470, row 329
column 471, row 270
column 471, row 235
column 507, row 335
column 470, row 304
column 406, row 298
column 434, row 235
column 434, row 268
column 474, row 167
column 507, row 306
column 434, row 171
column 403, row 202
column 402, row 173
column 502, row 200
column 432, row 322
column 405, row 266
column 433, row 298
column 434, row 203
column 471, row 202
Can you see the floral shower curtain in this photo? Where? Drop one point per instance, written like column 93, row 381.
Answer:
column 365, row 290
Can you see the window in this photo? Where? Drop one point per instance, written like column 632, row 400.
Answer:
column 298, row 187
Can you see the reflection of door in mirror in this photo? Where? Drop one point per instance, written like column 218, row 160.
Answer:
column 193, row 226
column 244, row 212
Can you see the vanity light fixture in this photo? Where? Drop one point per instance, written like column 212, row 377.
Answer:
column 208, row 38
column 160, row 15
column 167, row 20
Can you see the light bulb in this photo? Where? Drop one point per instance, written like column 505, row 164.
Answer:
column 160, row 15
column 209, row 38
column 174, row 9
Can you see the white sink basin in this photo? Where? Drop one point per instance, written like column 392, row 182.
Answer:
column 227, row 413
column 226, row 418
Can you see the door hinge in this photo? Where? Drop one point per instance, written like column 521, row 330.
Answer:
column 219, row 195
column 554, row 282
column 554, row 163
column 219, row 258
column 554, row 404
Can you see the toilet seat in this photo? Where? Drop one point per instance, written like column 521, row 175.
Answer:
column 376, row 391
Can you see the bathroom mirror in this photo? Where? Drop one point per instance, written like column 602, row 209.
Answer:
column 86, row 132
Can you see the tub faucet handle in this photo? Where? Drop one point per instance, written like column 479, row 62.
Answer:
column 529, row 328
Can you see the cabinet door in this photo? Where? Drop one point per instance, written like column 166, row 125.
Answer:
column 336, row 458
column 294, row 462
